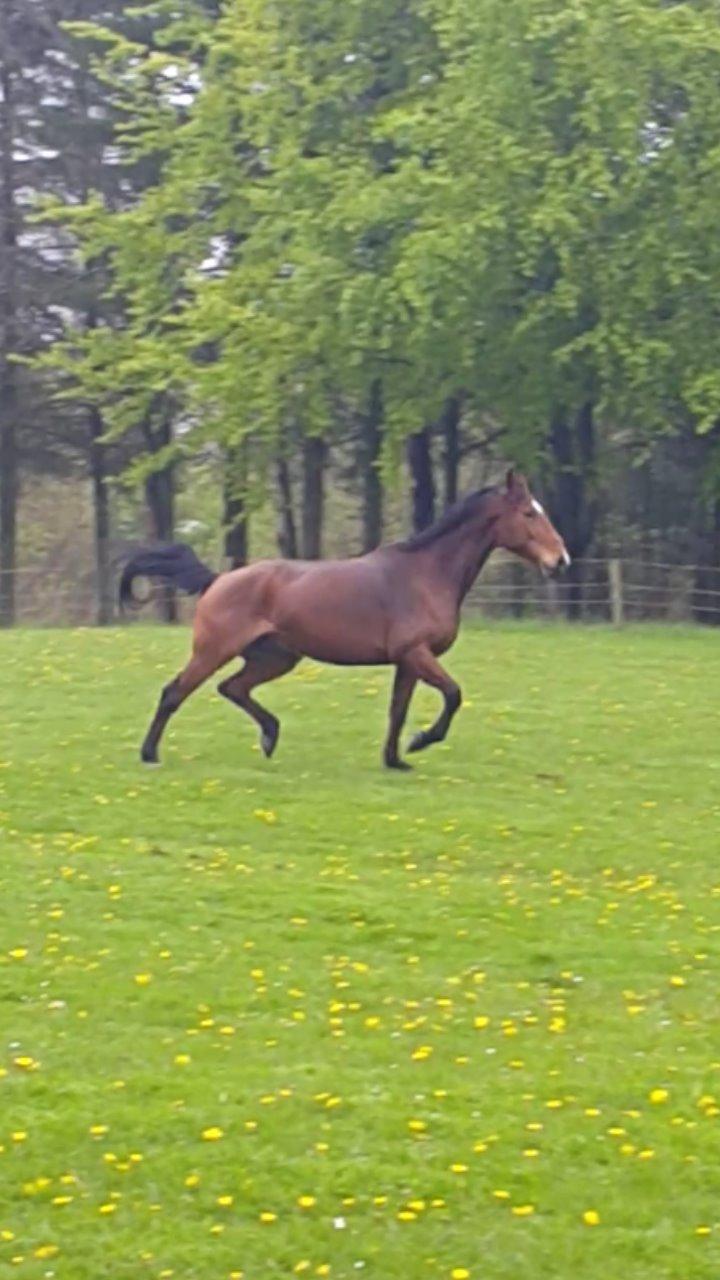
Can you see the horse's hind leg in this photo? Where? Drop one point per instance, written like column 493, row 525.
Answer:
column 172, row 697
column 265, row 660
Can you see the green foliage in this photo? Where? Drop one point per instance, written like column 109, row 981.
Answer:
column 519, row 207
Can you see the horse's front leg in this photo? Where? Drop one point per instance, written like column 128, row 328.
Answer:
column 403, row 685
column 424, row 666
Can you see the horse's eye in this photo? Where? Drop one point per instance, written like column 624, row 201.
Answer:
column 531, row 514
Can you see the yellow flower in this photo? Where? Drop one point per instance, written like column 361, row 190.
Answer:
column 307, row 1202
column 182, row 1059
column 18, row 953
column 459, row 1168
column 107, row 1208
column 523, row 1210
column 501, row 1195
column 213, row 1134
column 143, row 979
column 658, row 1095
column 192, row 1180
column 703, row 1231
column 47, row 1251
column 481, row 1022
column 225, row 1201
column 19, row 1135
column 417, row 1126
column 266, row 1216
column 98, row 1130
column 677, row 981
column 460, row 1273
column 591, row 1218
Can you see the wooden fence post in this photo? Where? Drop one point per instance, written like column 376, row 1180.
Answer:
column 617, row 604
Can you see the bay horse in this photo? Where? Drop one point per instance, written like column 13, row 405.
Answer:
column 398, row 605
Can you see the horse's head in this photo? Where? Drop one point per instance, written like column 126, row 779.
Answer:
column 524, row 528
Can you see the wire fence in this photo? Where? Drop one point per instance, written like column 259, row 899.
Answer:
column 612, row 589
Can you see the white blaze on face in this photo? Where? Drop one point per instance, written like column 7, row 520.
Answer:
column 539, row 508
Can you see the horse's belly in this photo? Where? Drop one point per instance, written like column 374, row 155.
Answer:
column 334, row 618
column 343, row 648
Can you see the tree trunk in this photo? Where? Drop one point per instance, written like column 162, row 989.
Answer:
column 101, row 514
column 707, row 577
column 314, row 456
column 370, row 447
column 234, row 506
column 287, row 529
column 572, row 445
column 423, row 482
column 9, row 473
column 160, row 497
column 450, row 426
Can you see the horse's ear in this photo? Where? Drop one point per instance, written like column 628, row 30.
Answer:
column 516, row 484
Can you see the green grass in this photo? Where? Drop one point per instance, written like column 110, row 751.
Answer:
column 297, row 954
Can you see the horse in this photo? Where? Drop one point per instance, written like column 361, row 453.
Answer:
column 398, row 605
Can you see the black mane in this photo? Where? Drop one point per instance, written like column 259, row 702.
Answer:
column 455, row 516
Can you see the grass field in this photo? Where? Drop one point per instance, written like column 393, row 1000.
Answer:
column 309, row 1018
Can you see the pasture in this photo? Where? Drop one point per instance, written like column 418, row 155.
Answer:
column 305, row 1017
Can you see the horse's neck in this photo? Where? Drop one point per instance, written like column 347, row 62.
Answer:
column 460, row 555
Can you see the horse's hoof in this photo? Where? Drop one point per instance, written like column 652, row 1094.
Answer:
column 401, row 765
column 150, row 762
column 268, row 742
column 419, row 742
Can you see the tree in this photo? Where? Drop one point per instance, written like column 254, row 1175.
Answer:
column 9, row 217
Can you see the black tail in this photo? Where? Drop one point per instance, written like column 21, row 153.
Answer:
column 176, row 564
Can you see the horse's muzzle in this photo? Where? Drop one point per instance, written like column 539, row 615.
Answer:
column 561, row 566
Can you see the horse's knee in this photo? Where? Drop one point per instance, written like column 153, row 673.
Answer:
column 233, row 691
column 453, row 699
column 171, row 697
